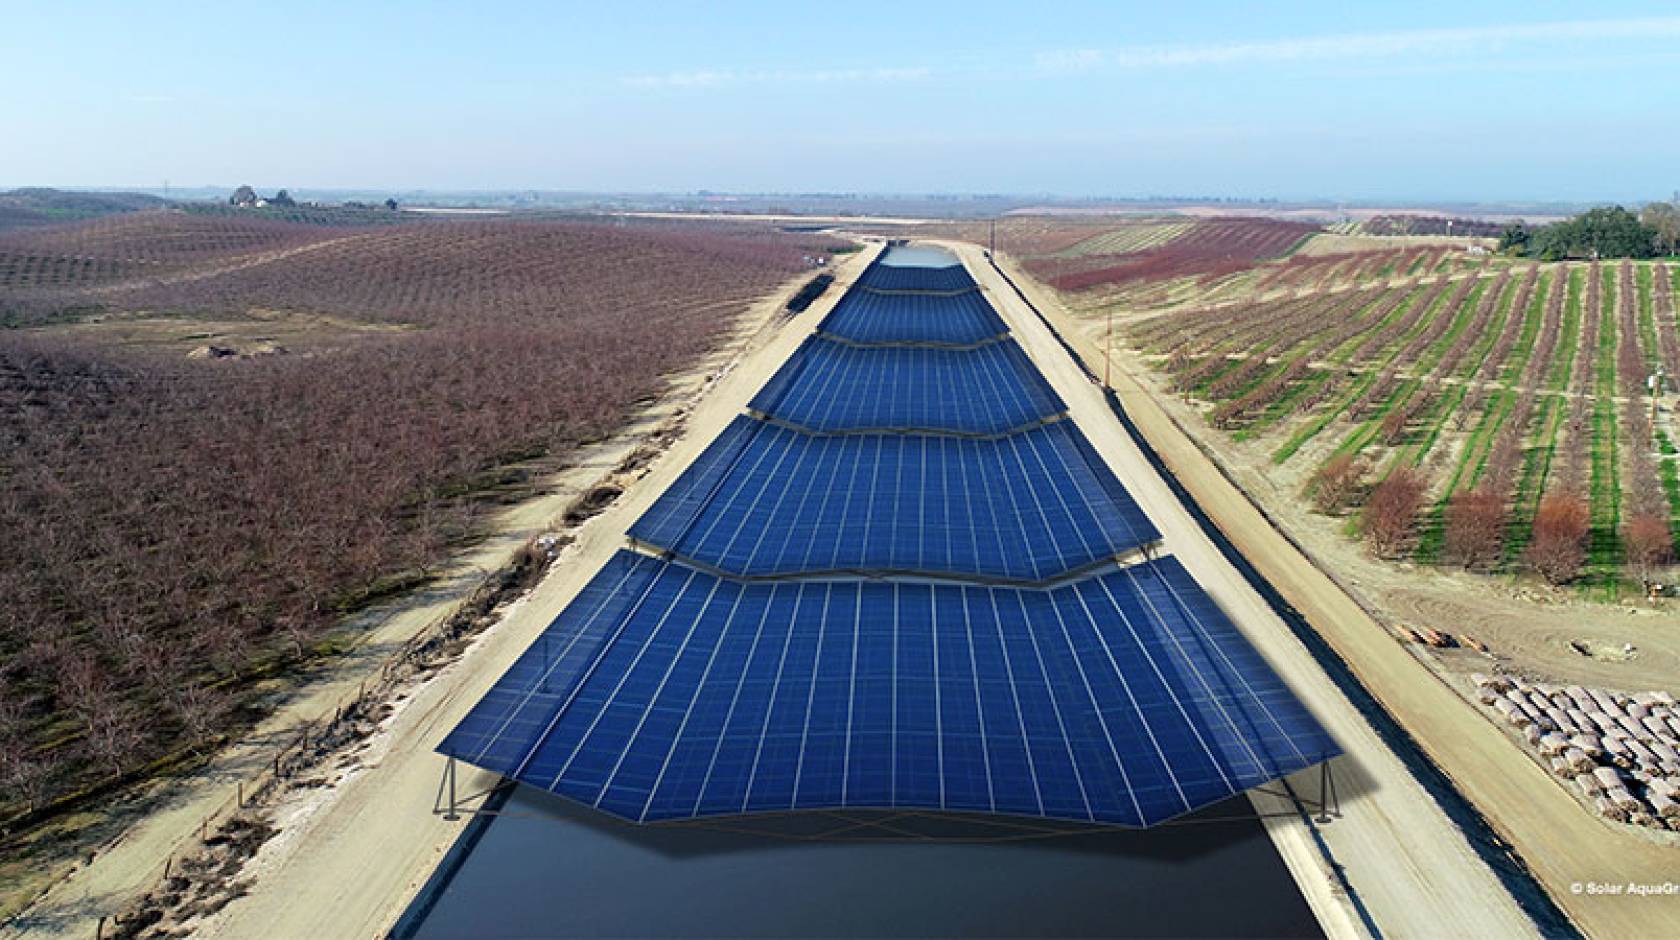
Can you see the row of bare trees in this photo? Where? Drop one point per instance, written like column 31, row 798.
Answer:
column 176, row 530
column 1477, row 520
column 1493, row 364
column 1212, row 248
column 1646, row 542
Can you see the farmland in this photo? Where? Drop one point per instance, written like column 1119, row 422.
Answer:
column 181, row 527
column 38, row 206
column 1207, row 250
column 1141, row 264
column 1443, row 407
column 1515, row 394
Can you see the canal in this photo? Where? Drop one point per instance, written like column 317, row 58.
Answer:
column 548, row 867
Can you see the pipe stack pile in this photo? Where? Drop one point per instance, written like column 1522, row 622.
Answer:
column 1621, row 751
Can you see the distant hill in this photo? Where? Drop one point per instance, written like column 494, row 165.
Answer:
column 23, row 208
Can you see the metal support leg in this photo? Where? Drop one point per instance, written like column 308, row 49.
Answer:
column 449, row 773
column 1329, row 804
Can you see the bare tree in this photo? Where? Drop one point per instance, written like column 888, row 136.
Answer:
column 1475, row 526
column 168, row 524
column 1558, row 548
column 1649, row 544
column 1390, row 517
column 1337, row 482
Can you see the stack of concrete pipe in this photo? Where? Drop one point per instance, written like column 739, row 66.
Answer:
column 1621, row 750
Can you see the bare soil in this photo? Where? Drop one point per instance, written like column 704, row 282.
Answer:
column 259, row 332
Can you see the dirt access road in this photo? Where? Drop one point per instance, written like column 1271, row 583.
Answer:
column 1412, row 871
column 1570, row 851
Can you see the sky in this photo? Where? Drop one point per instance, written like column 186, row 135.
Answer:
column 1423, row 100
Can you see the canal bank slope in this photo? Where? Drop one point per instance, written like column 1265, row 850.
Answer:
column 1564, row 847
column 1411, row 870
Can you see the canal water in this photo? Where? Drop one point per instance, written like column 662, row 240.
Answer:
column 918, row 256
column 548, row 867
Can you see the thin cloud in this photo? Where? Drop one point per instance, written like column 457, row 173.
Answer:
column 1433, row 42
column 708, row 78
column 1364, row 47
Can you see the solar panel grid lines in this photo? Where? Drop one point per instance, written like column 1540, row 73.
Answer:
column 612, row 775
column 873, row 318
column 1028, row 507
column 887, row 694
column 621, row 580
column 827, row 387
column 623, row 677
column 734, row 702
column 1233, row 662
column 903, row 580
column 890, row 277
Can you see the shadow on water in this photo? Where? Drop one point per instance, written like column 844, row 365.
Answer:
column 550, row 867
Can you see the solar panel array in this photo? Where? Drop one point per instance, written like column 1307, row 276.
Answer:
column 866, row 317
column 1122, row 698
column 765, row 500
column 834, row 386
column 905, row 580
column 890, row 277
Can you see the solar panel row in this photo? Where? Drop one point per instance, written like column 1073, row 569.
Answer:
column 866, row 317
column 896, row 589
column 830, row 386
column 665, row 692
column 888, row 277
column 765, row 500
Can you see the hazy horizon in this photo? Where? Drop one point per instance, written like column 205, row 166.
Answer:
column 190, row 192
column 1437, row 102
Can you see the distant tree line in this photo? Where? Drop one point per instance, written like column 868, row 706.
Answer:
column 1602, row 232
column 246, row 196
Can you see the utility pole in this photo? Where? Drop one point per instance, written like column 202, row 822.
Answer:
column 1108, row 348
column 1655, row 385
column 994, row 238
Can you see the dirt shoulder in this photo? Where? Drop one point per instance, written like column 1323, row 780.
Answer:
column 1565, row 847
column 1410, row 869
column 370, row 799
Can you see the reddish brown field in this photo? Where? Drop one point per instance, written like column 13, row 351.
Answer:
column 162, row 237
column 176, row 528
column 1210, row 250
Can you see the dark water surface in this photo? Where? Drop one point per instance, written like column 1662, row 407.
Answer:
column 548, row 867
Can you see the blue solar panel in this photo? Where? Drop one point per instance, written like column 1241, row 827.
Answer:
column 829, row 386
column 767, row 500
column 864, row 316
column 853, row 617
column 668, row 693
column 917, row 278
